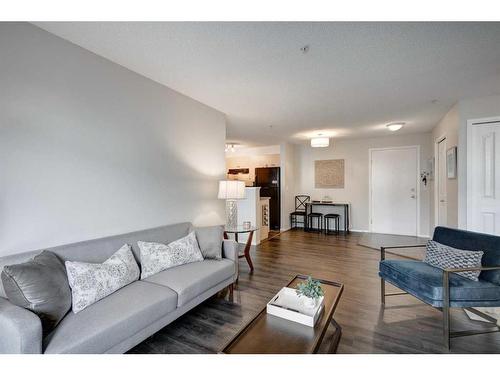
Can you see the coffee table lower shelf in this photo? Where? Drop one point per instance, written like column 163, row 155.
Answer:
column 268, row 334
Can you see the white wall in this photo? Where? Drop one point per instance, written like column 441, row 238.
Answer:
column 355, row 153
column 249, row 209
column 90, row 149
column 289, row 172
column 454, row 126
column 470, row 109
column 447, row 127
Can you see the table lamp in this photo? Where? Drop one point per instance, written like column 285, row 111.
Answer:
column 231, row 191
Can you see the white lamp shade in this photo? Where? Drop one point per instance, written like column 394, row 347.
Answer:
column 320, row 142
column 231, row 190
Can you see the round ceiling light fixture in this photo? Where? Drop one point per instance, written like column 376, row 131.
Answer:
column 395, row 126
column 320, row 141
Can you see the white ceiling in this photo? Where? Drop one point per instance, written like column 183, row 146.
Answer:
column 356, row 77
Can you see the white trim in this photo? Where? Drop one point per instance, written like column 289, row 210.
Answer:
column 469, row 165
column 437, row 140
column 417, row 176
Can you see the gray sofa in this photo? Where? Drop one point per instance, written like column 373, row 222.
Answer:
column 122, row 320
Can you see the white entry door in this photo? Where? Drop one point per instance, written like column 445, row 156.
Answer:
column 441, row 177
column 394, row 190
column 483, row 178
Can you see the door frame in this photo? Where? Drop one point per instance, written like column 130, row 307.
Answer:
column 417, row 182
column 437, row 140
column 470, row 124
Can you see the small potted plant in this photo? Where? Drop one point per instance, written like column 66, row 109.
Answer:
column 311, row 290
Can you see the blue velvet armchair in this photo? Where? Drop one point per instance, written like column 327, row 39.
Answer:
column 444, row 289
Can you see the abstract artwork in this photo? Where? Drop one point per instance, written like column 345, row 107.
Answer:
column 329, row 174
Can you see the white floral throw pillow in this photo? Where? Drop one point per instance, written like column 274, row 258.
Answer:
column 90, row 282
column 156, row 257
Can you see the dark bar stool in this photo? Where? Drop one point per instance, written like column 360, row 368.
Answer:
column 319, row 221
column 336, row 220
column 300, row 210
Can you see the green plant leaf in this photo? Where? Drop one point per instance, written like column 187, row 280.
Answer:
column 310, row 288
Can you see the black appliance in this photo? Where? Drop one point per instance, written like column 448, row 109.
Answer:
column 268, row 179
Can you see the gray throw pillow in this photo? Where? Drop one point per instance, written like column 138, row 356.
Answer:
column 210, row 241
column 442, row 256
column 41, row 286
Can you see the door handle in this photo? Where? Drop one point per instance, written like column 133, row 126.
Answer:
column 412, row 196
column 442, row 200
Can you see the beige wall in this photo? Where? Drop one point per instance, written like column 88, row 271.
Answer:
column 447, row 127
column 355, row 153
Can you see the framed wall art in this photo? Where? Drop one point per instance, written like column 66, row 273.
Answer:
column 329, row 174
column 451, row 162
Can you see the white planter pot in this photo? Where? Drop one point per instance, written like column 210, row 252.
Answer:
column 310, row 303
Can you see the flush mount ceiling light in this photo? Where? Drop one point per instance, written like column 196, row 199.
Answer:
column 320, row 141
column 395, row 126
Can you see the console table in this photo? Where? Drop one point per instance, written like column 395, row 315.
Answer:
column 345, row 206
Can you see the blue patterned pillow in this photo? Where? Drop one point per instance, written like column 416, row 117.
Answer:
column 442, row 256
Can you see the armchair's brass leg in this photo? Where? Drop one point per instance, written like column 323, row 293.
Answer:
column 382, row 291
column 446, row 310
column 382, row 281
column 446, row 327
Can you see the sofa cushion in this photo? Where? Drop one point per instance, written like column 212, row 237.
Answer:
column 191, row 280
column 426, row 283
column 112, row 319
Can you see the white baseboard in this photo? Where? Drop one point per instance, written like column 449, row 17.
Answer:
column 361, row 231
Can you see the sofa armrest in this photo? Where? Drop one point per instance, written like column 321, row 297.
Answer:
column 230, row 251
column 485, row 268
column 21, row 330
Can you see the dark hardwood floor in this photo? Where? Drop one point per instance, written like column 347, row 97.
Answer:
column 406, row 325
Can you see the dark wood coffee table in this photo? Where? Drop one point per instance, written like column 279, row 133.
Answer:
column 268, row 334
